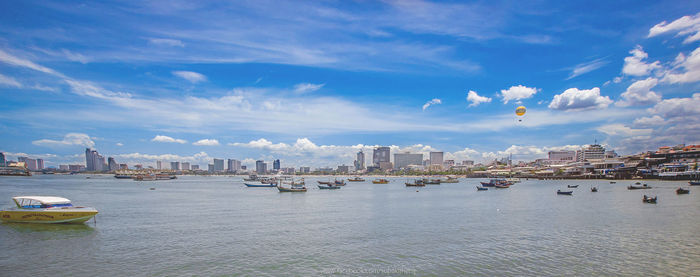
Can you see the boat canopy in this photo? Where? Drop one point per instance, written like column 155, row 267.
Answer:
column 31, row 201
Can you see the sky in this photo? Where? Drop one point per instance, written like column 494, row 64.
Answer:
column 313, row 82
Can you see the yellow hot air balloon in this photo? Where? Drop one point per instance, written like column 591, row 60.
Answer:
column 520, row 111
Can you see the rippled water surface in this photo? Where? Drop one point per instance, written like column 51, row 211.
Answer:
column 217, row 226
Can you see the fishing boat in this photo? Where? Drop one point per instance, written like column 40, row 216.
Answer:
column 260, row 185
column 416, row 183
column 594, row 189
column 631, row 187
column 571, row 192
column 145, row 177
column 478, row 188
column 501, row 186
column 450, row 180
column 251, row 178
column 324, row 183
column 163, row 176
column 46, row 209
column 123, row 176
column 339, row 183
column 431, row 181
column 493, row 182
column 356, row 179
column 328, row 187
column 380, row 181
column 613, row 182
column 572, row 186
column 694, row 183
column 294, row 187
column 649, row 199
column 682, row 191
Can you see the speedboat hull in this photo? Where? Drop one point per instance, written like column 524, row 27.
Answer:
column 48, row 215
column 260, row 186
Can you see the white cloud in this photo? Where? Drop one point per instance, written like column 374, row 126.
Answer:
column 435, row 101
column 307, row 87
column 586, row 67
column 12, row 60
column 68, row 140
column 617, row 129
column 206, row 142
column 261, row 144
column 9, row 81
column 649, row 121
column 197, row 158
column 166, row 42
column 640, row 93
column 192, row 77
column 678, row 107
column 526, row 152
column 517, row 93
column 76, row 57
column 635, row 64
column 160, row 138
column 686, row 70
column 687, row 25
column 575, row 99
column 475, row 99
column 119, row 144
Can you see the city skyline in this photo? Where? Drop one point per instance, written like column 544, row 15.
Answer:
column 176, row 85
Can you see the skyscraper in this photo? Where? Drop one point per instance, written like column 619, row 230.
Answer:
column 112, row 164
column 94, row 161
column 3, row 162
column 381, row 154
column 360, row 161
column 436, row 158
column 39, row 164
column 260, row 167
column 159, row 165
column 175, row 165
column 406, row 159
column 276, row 165
column 218, row 165
column 233, row 165
column 185, row 166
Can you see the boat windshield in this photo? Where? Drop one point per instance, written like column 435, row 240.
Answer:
column 25, row 203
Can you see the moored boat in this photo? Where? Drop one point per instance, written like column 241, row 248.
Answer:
column 572, row 186
column 481, row 188
column 694, row 183
column 145, row 177
column 260, row 185
column 682, row 191
column 631, row 187
column 501, row 186
column 293, row 187
column 594, row 189
column 416, row 183
column 356, row 179
column 571, row 192
column 493, row 182
column 328, row 187
column 123, row 176
column 46, row 209
column 251, row 178
column 432, row 181
column 380, row 181
column 324, row 183
column 649, row 199
column 450, row 180
column 339, row 183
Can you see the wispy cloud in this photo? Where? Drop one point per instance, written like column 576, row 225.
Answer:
column 435, row 101
column 161, row 138
column 206, row 142
column 192, row 77
column 9, row 81
column 586, row 67
column 307, row 87
column 166, row 42
column 68, row 140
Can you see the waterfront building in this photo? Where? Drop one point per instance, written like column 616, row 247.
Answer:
column 385, row 165
column 244, row 167
column 234, row 165
column 159, row 165
column 436, row 158
column 175, row 165
column 591, row 152
column 403, row 160
column 39, row 164
column 343, row 169
column 3, row 161
column 449, row 163
column 260, row 167
column 112, row 164
column 305, row 169
column 138, row 166
column 123, row 167
column 287, row 170
column 276, row 165
column 381, row 154
column 210, row 168
column 63, row 167
column 219, row 165
column 360, row 161
column 195, row 167
column 76, row 167
column 561, row 157
column 185, row 166
column 468, row 163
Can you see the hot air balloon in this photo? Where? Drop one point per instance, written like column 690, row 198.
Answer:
column 520, row 111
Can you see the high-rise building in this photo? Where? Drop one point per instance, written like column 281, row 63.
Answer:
column 30, row 163
column 219, row 165
column 3, row 161
column 195, row 167
column 561, row 157
column 94, row 161
column 123, row 166
column 260, row 167
column 403, row 160
column 343, row 169
column 112, row 164
column 175, row 165
column 436, row 158
column 39, row 164
column 360, row 161
column 185, row 166
column 210, row 167
column 276, row 165
column 234, row 165
column 591, row 152
column 63, row 167
column 159, row 165
column 76, row 167
column 381, row 154
column 305, row 169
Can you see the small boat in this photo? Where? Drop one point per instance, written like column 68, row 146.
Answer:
column 251, row 178
column 356, row 179
column 123, row 176
column 380, row 181
column 325, row 183
column 46, row 209
column 328, row 187
column 260, row 185
column 572, row 186
column 292, row 188
column 513, row 180
column 594, row 189
column 431, row 181
column 571, row 192
column 501, row 186
column 694, row 183
column 613, row 182
column 649, row 199
column 450, row 180
column 631, row 187
column 682, row 191
column 637, row 183
column 416, row 183
column 493, row 182
column 481, row 188
column 162, row 176
column 145, row 177
column 339, row 183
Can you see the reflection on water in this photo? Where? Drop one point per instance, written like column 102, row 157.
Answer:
column 217, row 226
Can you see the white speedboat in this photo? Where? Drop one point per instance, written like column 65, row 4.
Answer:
column 46, row 209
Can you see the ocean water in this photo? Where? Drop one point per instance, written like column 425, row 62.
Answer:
column 217, row 226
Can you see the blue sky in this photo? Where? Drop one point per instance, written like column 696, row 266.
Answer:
column 313, row 82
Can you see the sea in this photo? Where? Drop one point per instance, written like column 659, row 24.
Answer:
column 216, row 226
